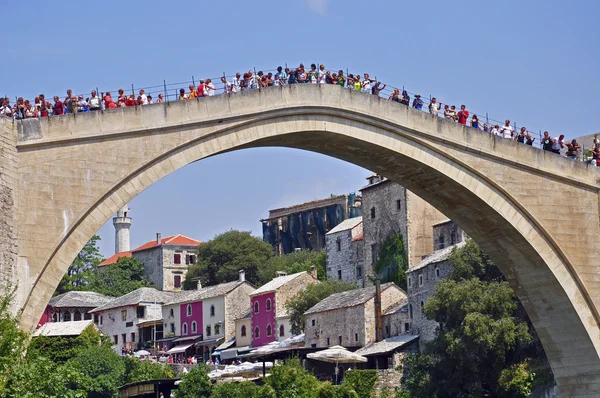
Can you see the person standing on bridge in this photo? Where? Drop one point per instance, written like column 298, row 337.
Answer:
column 507, row 130
column 434, row 106
column 143, row 97
column 463, row 115
column 281, row 75
column 547, row 142
column 418, row 102
column 58, row 108
column 558, row 144
column 322, row 74
column 235, row 83
column 95, row 103
column 572, row 150
column 193, row 93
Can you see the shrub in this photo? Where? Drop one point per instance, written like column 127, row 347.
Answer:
column 362, row 381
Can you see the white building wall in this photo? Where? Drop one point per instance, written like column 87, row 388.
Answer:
column 172, row 316
column 218, row 318
column 287, row 328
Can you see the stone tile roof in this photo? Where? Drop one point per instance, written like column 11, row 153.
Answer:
column 79, row 300
column 400, row 306
column 437, row 256
column 276, row 283
column 383, row 180
column 73, row 328
column 189, row 296
column 346, row 225
column 169, row 240
column 347, row 299
column 113, row 259
column 141, row 295
column 386, row 345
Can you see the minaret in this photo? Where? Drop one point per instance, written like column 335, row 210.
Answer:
column 122, row 224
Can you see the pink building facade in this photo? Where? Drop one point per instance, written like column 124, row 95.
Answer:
column 191, row 318
column 263, row 318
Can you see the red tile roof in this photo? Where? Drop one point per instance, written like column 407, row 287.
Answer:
column 359, row 237
column 169, row 240
column 113, row 259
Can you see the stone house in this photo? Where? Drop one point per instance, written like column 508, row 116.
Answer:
column 423, row 278
column 206, row 316
column 304, row 226
column 344, row 249
column 349, row 318
column 390, row 208
column 396, row 320
column 270, row 320
column 165, row 260
column 72, row 306
column 133, row 319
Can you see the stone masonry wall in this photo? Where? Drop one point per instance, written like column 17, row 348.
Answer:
column 349, row 259
column 388, row 200
column 422, row 286
column 289, row 290
column 151, row 259
column 170, row 269
column 237, row 304
column 8, row 232
column 447, row 234
column 346, row 322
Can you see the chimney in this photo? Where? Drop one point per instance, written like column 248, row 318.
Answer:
column 242, row 275
column 158, row 238
column 313, row 271
column 378, row 317
column 280, row 273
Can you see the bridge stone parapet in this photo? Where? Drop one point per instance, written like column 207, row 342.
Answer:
column 535, row 213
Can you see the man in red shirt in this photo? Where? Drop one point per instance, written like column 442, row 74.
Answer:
column 200, row 92
column 463, row 115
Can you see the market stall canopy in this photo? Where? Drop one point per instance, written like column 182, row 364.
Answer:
column 179, row 349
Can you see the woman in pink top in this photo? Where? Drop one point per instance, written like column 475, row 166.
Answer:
column 108, row 102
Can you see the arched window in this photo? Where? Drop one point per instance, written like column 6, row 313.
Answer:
column 217, row 329
column 208, row 330
column 243, row 330
column 55, row 317
column 194, row 327
column 66, row 316
column 268, row 304
column 212, row 310
column 171, row 314
column 281, row 331
column 256, row 307
column 269, row 330
column 184, row 329
column 77, row 316
column 410, row 311
column 256, row 332
column 189, row 310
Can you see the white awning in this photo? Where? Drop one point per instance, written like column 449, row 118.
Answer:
column 179, row 349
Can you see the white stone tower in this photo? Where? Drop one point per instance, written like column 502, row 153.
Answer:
column 122, row 224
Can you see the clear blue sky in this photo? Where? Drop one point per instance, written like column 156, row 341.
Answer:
column 536, row 63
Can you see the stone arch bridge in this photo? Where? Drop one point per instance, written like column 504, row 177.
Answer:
column 535, row 213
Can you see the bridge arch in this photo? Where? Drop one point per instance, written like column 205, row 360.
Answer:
column 487, row 185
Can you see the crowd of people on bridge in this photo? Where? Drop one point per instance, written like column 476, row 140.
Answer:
column 42, row 107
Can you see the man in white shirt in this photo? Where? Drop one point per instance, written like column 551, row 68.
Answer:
column 558, row 144
column 144, row 98
column 95, row 102
column 5, row 109
column 226, row 85
column 434, row 106
column 321, row 74
column 235, row 83
column 209, row 88
column 507, row 131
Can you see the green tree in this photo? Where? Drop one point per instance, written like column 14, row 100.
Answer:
column 12, row 338
column 136, row 370
column 220, row 259
column 484, row 342
column 82, row 269
column 123, row 277
column 42, row 378
column 195, row 384
column 60, row 349
column 294, row 262
column 291, row 380
column 235, row 390
column 102, row 371
column 392, row 261
column 311, row 295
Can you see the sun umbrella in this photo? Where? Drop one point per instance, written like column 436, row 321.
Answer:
column 141, row 353
column 337, row 354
